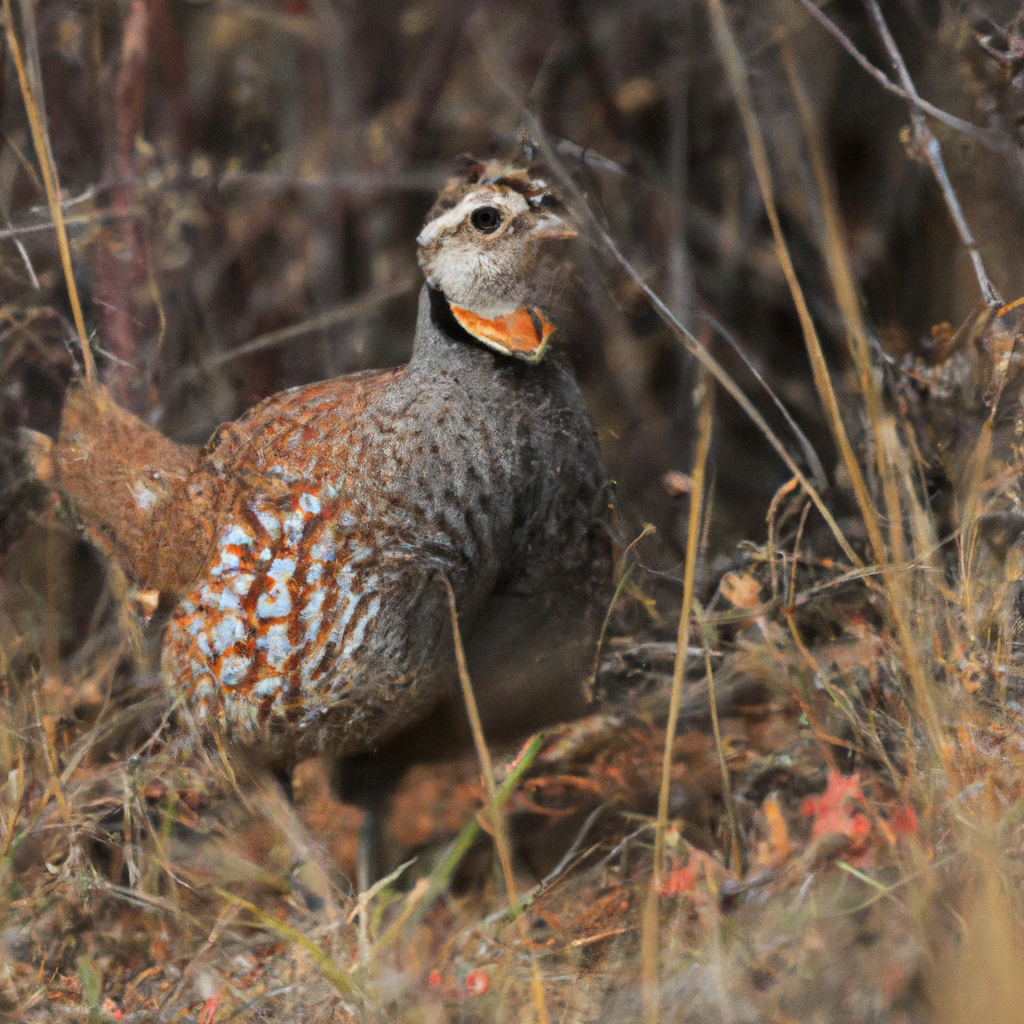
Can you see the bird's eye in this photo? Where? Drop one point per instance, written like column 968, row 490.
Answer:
column 486, row 219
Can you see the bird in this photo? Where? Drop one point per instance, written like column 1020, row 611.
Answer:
column 307, row 550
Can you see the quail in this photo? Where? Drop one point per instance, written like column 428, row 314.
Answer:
column 307, row 549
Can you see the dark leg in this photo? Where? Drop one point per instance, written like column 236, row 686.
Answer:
column 368, row 781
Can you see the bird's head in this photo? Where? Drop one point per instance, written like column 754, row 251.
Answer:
column 481, row 247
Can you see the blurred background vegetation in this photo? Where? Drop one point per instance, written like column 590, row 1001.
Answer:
column 233, row 169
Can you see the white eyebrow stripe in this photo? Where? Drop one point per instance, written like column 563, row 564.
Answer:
column 510, row 203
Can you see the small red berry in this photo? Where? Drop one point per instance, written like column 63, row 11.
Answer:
column 476, row 983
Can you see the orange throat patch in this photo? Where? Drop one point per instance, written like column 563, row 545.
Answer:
column 523, row 333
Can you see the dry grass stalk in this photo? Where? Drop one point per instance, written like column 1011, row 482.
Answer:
column 497, row 813
column 887, row 446
column 899, row 599
column 48, row 170
column 686, row 337
column 837, row 260
column 734, row 67
column 649, row 939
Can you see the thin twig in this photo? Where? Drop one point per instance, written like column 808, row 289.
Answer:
column 567, row 861
column 817, row 470
column 796, row 555
column 497, row 814
column 591, row 684
column 986, row 136
column 838, row 263
column 732, row 61
column 771, row 519
column 262, row 998
column 624, row 575
column 586, row 157
column 730, row 805
column 930, row 147
column 567, row 858
column 49, row 172
column 620, row 846
column 23, row 253
column 89, row 220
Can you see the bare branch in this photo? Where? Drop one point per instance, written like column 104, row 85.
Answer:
column 929, row 146
column 986, row 136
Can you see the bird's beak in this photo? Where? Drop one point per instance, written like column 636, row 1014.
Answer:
column 551, row 227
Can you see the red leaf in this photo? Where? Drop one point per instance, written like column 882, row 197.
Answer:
column 680, row 880
column 835, row 810
column 209, row 1011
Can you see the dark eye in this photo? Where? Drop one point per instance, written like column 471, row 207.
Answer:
column 486, row 219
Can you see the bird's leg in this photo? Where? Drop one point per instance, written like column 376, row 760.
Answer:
column 370, row 858
column 368, row 781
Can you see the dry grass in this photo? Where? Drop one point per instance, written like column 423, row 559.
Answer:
column 837, row 835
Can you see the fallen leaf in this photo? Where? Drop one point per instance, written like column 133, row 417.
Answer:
column 834, row 812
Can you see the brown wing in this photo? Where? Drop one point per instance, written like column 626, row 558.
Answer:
column 286, row 441
column 270, row 632
column 298, row 431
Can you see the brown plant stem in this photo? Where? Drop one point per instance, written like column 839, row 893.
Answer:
column 497, row 815
column 932, row 151
column 48, row 169
column 649, row 925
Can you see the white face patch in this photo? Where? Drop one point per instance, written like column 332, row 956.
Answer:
column 489, row 270
column 509, row 202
